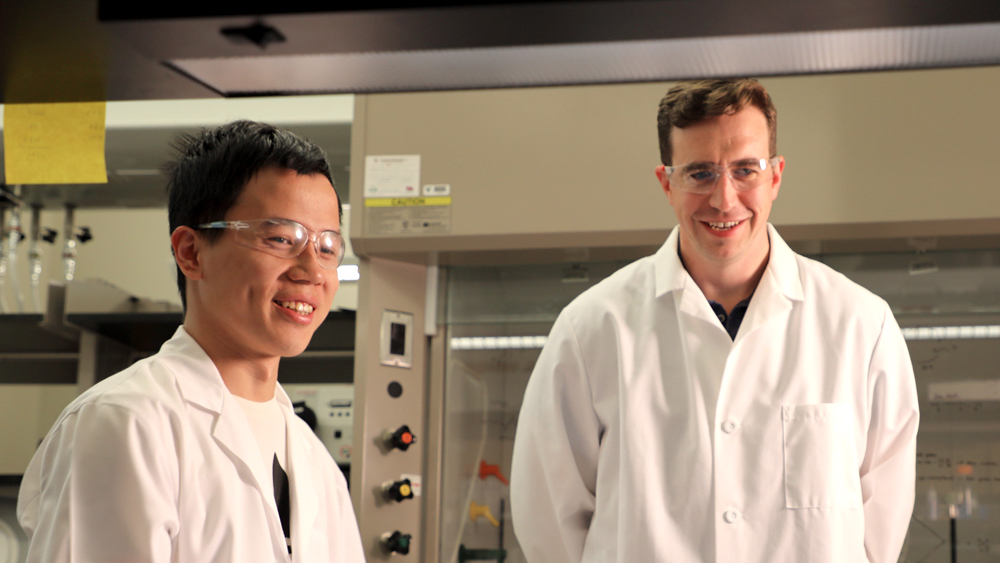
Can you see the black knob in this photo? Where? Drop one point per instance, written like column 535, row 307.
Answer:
column 397, row 490
column 49, row 236
column 401, row 438
column 396, row 542
column 84, row 235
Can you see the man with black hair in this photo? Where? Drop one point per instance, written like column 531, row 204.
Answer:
column 195, row 454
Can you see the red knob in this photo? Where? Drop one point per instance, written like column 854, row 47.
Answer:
column 485, row 470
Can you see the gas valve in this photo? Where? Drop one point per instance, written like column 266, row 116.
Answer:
column 397, row 490
column 83, row 235
column 401, row 438
column 396, row 542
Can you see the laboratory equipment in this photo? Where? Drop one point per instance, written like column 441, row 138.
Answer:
column 38, row 235
column 4, row 203
column 332, row 406
column 74, row 237
column 14, row 236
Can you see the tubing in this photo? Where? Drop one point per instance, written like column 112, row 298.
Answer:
column 14, row 237
column 69, row 250
column 3, row 262
column 35, row 257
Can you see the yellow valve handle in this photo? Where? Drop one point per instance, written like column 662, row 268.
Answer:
column 477, row 510
column 405, row 490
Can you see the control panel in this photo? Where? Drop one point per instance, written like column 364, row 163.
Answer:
column 331, row 406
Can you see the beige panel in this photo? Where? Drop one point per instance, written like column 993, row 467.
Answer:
column 27, row 412
column 543, row 160
column 889, row 146
column 573, row 166
column 395, row 286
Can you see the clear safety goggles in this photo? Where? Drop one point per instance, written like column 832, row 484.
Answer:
column 285, row 238
column 702, row 177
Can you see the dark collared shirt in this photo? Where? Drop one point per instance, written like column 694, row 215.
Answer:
column 734, row 318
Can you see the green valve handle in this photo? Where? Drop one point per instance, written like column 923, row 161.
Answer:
column 396, row 542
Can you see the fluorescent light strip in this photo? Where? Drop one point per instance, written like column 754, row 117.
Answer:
column 911, row 333
column 951, row 332
column 497, row 342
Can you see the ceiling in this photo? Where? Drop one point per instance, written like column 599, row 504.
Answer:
column 59, row 50
column 118, row 50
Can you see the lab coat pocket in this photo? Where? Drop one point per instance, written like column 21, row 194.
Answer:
column 821, row 469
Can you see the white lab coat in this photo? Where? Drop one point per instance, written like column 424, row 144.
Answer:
column 647, row 434
column 158, row 463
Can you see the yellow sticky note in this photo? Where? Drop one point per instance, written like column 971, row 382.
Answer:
column 54, row 143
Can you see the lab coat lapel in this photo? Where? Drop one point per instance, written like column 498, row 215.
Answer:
column 305, row 505
column 200, row 383
column 779, row 288
column 233, row 433
column 671, row 276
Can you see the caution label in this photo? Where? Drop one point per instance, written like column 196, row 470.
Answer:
column 408, row 201
column 408, row 215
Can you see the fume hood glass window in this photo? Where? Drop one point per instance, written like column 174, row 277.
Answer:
column 946, row 302
column 497, row 320
column 929, row 283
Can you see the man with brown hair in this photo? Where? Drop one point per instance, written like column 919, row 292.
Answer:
column 724, row 399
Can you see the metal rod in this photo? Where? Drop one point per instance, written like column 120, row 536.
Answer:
column 501, row 524
column 954, row 541
column 954, row 533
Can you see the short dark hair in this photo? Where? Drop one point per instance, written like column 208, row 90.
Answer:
column 213, row 167
column 693, row 101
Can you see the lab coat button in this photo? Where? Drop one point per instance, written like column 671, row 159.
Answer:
column 728, row 426
column 730, row 516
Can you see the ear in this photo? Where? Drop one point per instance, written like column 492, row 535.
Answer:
column 661, row 175
column 776, row 178
column 187, row 248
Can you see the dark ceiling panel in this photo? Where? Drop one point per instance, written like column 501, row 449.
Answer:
column 531, row 24
column 58, row 50
column 117, row 10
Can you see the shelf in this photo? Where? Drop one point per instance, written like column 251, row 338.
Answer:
column 30, row 354
column 22, row 334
